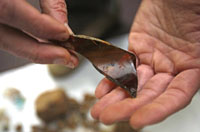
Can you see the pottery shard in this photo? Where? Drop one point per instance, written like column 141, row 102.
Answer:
column 51, row 105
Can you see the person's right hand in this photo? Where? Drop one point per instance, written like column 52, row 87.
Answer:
column 166, row 38
column 22, row 27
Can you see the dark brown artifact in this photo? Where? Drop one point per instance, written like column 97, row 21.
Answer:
column 116, row 64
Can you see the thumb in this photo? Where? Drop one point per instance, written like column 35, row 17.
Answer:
column 55, row 8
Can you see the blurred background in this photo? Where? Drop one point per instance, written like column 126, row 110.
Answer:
column 99, row 18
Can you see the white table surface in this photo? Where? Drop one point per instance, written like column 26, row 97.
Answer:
column 34, row 79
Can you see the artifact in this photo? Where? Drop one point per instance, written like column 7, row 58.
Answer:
column 116, row 64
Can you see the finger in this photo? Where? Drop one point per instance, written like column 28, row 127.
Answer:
column 144, row 73
column 23, row 45
column 124, row 109
column 104, row 87
column 55, row 8
column 178, row 94
column 113, row 97
column 21, row 15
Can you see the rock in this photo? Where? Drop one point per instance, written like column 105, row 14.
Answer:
column 19, row 128
column 58, row 70
column 51, row 105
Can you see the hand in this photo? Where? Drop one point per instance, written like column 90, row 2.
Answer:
column 165, row 37
column 22, row 28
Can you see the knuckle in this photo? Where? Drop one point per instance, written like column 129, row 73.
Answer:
column 35, row 57
column 59, row 5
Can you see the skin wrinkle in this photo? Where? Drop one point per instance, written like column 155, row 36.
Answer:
column 168, row 36
column 160, row 25
column 169, row 52
column 147, row 92
column 134, row 37
column 161, row 29
column 150, row 35
column 180, row 18
column 164, row 46
column 59, row 5
column 183, row 91
column 190, row 50
column 56, row 6
column 188, row 65
column 194, row 34
column 145, row 61
column 170, row 46
column 157, row 63
column 179, row 63
column 152, row 63
column 175, row 32
column 174, row 90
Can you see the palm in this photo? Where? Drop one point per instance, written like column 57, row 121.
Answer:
column 168, row 70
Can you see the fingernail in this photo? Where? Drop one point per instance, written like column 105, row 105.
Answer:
column 74, row 60
column 136, row 128
column 64, row 62
column 69, row 29
column 70, row 65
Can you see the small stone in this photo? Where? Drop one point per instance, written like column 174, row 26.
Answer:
column 51, row 105
column 19, row 128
